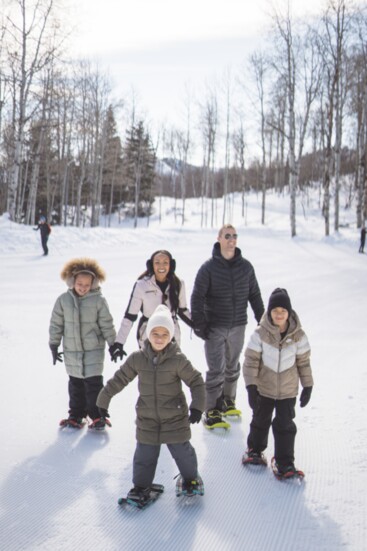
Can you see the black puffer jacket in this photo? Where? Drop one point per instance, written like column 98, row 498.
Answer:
column 222, row 290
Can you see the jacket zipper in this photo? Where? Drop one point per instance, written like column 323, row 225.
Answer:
column 278, row 378
column 155, row 359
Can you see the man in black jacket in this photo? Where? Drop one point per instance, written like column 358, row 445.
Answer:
column 223, row 287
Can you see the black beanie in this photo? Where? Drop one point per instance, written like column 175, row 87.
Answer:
column 279, row 298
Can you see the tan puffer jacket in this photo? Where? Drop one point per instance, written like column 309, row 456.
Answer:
column 161, row 409
column 277, row 365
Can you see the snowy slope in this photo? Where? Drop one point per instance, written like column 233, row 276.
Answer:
column 59, row 490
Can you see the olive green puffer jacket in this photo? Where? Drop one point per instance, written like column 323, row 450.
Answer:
column 162, row 412
column 84, row 324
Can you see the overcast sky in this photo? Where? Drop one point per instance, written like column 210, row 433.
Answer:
column 159, row 47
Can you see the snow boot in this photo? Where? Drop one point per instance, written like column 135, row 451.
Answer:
column 189, row 487
column 73, row 422
column 138, row 494
column 229, row 408
column 252, row 457
column 284, row 472
column 99, row 423
column 213, row 420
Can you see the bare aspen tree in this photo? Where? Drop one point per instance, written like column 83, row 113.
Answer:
column 30, row 51
column 173, row 168
column 184, row 144
column 287, row 64
column 3, row 78
column 298, row 64
column 276, row 119
column 228, row 101
column 336, row 24
column 99, row 89
column 239, row 145
column 332, row 47
column 359, row 107
column 259, row 66
column 40, row 128
column 209, row 127
column 67, row 137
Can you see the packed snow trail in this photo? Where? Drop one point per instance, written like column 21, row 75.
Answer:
column 59, row 488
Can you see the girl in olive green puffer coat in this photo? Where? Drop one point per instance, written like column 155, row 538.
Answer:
column 82, row 321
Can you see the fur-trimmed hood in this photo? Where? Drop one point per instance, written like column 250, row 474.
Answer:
column 83, row 266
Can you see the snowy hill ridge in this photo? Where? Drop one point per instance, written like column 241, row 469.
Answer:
column 59, row 489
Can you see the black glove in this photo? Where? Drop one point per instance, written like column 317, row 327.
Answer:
column 305, row 396
column 56, row 356
column 202, row 331
column 103, row 412
column 116, row 351
column 195, row 416
column 252, row 396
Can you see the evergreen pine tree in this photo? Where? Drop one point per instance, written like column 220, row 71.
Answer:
column 139, row 161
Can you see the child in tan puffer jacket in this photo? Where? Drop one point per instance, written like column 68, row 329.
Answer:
column 277, row 358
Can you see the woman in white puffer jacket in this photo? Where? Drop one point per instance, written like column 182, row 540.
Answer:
column 158, row 284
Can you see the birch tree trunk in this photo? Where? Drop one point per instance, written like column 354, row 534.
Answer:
column 32, row 53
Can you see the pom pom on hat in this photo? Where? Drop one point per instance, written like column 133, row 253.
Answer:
column 279, row 298
column 161, row 317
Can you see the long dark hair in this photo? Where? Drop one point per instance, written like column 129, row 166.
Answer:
column 174, row 282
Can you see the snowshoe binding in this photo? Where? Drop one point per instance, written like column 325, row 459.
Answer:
column 229, row 408
column 189, row 488
column 251, row 457
column 72, row 422
column 99, row 423
column 142, row 497
column 286, row 472
column 213, row 420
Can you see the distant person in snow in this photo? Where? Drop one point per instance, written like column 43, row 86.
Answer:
column 223, row 287
column 363, row 239
column 162, row 414
column 158, row 284
column 45, row 230
column 82, row 321
column 276, row 359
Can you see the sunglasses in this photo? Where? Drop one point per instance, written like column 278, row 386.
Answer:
column 230, row 236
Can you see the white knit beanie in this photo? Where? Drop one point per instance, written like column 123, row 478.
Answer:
column 161, row 317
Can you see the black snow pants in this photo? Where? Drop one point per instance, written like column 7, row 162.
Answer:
column 83, row 396
column 284, row 428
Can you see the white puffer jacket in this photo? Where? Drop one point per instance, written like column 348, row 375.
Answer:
column 145, row 297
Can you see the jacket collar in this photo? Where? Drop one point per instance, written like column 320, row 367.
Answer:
column 159, row 357
column 217, row 255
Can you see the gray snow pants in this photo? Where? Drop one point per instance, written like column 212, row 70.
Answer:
column 146, row 459
column 222, row 352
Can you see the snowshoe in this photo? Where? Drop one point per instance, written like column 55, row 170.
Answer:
column 72, row 422
column 142, row 497
column 99, row 423
column 213, row 420
column 229, row 408
column 286, row 472
column 189, row 488
column 250, row 457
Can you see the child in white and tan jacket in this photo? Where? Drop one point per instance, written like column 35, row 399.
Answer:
column 277, row 358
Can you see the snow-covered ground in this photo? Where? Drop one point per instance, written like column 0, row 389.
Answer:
column 59, row 489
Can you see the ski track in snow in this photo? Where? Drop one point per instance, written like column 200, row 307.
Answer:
column 59, row 488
